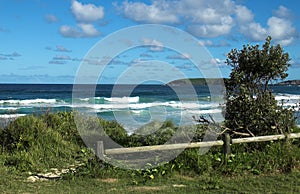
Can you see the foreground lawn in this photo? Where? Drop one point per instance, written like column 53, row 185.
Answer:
column 280, row 183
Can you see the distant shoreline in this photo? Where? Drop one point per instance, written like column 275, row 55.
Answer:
column 218, row 81
column 179, row 82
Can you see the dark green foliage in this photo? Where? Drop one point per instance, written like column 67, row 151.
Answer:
column 154, row 133
column 251, row 106
column 32, row 143
column 115, row 131
column 37, row 144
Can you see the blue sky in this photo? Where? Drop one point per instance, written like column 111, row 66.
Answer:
column 46, row 41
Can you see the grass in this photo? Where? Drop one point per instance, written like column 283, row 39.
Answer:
column 38, row 143
column 276, row 183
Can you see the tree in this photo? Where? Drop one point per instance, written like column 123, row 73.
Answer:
column 250, row 104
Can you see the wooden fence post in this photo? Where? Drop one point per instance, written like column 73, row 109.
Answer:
column 100, row 149
column 226, row 146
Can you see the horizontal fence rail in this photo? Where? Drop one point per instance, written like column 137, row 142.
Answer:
column 100, row 150
column 164, row 147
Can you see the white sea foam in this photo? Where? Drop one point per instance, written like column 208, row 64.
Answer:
column 10, row 116
column 9, row 108
column 84, row 99
column 287, row 97
column 28, row 102
column 137, row 107
column 123, row 99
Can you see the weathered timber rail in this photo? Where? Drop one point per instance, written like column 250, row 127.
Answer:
column 225, row 142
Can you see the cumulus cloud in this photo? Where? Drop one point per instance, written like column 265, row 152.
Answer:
column 210, row 43
column 158, row 12
column 51, row 18
column 154, row 44
column 212, row 30
column 254, row 31
column 280, row 26
column 281, row 29
column 86, row 13
column 82, row 30
column 283, row 12
column 214, row 18
column 88, row 30
column 202, row 18
column 243, row 14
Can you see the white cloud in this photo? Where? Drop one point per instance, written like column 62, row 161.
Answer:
column 158, row 12
column 254, row 31
column 86, row 13
column 243, row 14
column 280, row 27
column 210, row 43
column 282, row 30
column 154, row 44
column 214, row 18
column 88, row 30
column 212, row 30
column 68, row 31
column 202, row 18
column 83, row 30
column 204, row 12
column 283, row 12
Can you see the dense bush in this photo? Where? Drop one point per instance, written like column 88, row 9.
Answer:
column 251, row 106
column 37, row 144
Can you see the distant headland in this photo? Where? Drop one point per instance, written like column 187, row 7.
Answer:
column 197, row 81
column 290, row 83
column 218, row 81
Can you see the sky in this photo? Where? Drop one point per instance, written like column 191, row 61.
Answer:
column 51, row 41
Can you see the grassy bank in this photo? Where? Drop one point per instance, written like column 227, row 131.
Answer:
column 36, row 144
column 275, row 183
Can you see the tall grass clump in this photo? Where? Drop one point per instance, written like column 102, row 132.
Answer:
column 30, row 143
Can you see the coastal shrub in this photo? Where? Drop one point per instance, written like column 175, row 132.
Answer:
column 63, row 123
column 38, row 143
column 115, row 131
column 29, row 144
column 154, row 133
column 250, row 104
column 21, row 133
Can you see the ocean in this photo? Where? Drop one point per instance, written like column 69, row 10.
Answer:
column 131, row 106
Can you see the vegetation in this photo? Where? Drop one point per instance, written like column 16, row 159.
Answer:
column 250, row 105
column 38, row 144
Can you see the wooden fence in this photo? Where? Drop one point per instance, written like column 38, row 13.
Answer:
column 225, row 142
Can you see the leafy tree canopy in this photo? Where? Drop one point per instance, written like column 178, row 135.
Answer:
column 250, row 104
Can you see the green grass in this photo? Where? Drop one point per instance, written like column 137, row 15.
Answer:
column 38, row 143
column 276, row 183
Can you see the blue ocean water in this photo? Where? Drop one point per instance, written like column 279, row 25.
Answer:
column 125, row 103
